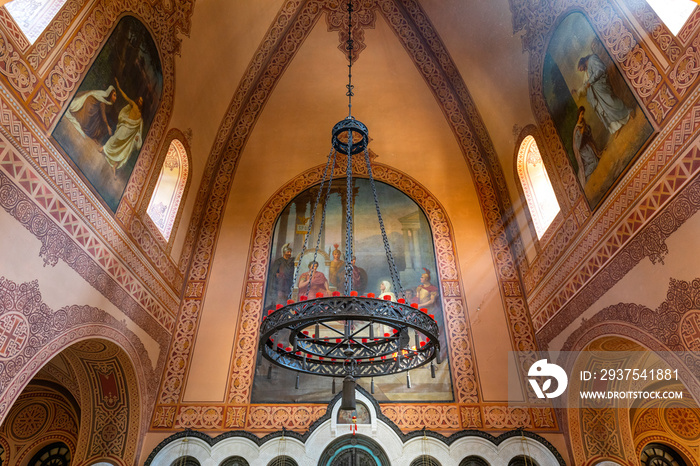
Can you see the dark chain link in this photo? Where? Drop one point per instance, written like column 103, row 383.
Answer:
column 348, row 219
column 395, row 278
column 323, row 220
column 331, row 160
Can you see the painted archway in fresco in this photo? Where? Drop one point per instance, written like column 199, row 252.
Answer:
column 411, row 242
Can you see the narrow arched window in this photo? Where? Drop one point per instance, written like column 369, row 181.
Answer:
column 32, row 16
column 537, row 188
column 169, row 189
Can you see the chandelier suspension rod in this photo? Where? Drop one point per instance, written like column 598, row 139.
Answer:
column 350, row 48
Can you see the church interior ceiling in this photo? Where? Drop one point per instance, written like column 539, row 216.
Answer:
column 251, row 90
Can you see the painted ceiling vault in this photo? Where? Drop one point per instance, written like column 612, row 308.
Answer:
column 251, row 90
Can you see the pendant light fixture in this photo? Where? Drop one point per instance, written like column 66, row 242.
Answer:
column 347, row 335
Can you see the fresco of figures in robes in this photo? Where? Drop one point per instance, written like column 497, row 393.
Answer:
column 411, row 244
column 594, row 111
column 104, row 126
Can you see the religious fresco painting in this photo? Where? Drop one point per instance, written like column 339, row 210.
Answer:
column 601, row 125
column 411, row 244
column 103, row 128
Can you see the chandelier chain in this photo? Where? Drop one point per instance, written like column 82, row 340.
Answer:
column 348, row 220
column 329, row 163
column 395, row 278
column 323, row 219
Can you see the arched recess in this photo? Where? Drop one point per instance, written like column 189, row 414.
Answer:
column 346, row 446
column 425, row 460
column 473, row 461
column 45, row 413
column 659, row 454
column 531, row 153
column 102, row 423
column 56, row 332
column 282, row 461
column 169, row 185
column 522, row 460
column 616, row 432
column 185, row 461
column 235, row 461
column 411, row 241
column 462, row 363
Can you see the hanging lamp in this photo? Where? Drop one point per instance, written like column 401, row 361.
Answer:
column 347, row 335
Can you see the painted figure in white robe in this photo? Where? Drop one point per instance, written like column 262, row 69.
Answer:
column 585, row 150
column 385, row 291
column 127, row 138
column 87, row 112
column 596, row 87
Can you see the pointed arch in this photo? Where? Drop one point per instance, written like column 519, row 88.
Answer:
column 465, row 385
column 537, row 188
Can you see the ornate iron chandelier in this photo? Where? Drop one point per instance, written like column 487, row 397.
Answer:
column 347, row 335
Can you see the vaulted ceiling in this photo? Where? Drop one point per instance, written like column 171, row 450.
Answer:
column 408, row 126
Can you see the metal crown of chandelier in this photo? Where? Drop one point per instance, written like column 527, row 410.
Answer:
column 346, row 335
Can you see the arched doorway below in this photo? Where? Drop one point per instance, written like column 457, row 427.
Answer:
column 354, row 450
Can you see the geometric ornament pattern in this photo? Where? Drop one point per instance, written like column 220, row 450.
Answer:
column 690, row 330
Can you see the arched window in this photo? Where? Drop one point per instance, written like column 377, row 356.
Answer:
column 657, row 454
column 674, row 13
column 537, row 188
column 234, row 461
column 425, row 460
column 473, row 461
column 282, row 461
column 55, row 454
column 169, row 189
column 353, row 449
column 32, row 17
column 522, row 460
column 185, row 461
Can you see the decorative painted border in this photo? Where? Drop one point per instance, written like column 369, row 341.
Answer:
column 62, row 72
column 77, row 52
column 25, row 195
column 52, row 331
column 310, row 429
column 655, row 217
